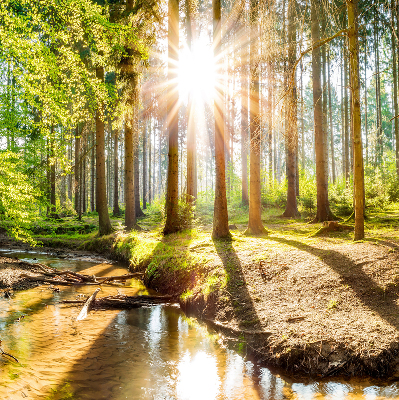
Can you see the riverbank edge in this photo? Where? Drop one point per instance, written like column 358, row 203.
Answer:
column 319, row 359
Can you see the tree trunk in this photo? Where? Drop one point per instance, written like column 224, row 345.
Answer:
column 117, row 210
column 323, row 208
column 150, row 194
column 291, row 134
column 172, row 190
column 379, row 148
column 191, row 134
column 331, row 122
column 130, row 210
column 358, row 172
column 365, row 102
column 395, row 84
column 244, row 135
column 220, row 215
column 145, row 165
column 346, row 126
column 255, row 225
column 93, row 173
column 101, row 196
column 77, row 170
column 139, row 211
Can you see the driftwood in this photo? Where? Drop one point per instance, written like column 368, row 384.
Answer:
column 68, row 278
column 86, row 307
column 121, row 302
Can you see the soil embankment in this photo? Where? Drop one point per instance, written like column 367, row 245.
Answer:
column 316, row 307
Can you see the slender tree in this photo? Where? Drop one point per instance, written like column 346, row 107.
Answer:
column 101, row 195
column 220, row 215
column 255, row 225
column 323, row 207
column 172, row 189
column 358, row 171
column 291, row 134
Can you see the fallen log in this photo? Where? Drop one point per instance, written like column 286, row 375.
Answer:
column 121, row 302
column 86, row 308
column 103, row 279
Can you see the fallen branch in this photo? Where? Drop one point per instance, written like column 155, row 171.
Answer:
column 86, row 308
column 121, row 302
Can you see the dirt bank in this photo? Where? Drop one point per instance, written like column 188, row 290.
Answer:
column 317, row 307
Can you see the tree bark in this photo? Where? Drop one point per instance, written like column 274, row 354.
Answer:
column 358, row 172
column 255, row 225
column 139, row 211
column 77, row 170
column 145, row 165
column 117, row 210
column 172, row 190
column 331, row 122
column 291, row 134
column 101, row 196
column 395, row 84
column 244, row 135
column 130, row 210
column 323, row 208
column 93, row 173
column 220, row 215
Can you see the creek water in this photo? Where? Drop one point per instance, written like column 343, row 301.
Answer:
column 146, row 353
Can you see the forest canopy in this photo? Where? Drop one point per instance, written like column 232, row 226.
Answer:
column 195, row 107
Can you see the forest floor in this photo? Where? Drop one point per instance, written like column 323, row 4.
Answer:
column 312, row 305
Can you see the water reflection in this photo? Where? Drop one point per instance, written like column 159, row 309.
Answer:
column 147, row 353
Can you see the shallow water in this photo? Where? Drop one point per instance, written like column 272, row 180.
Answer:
column 146, row 353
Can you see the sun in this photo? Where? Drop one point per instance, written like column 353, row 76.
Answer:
column 197, row 72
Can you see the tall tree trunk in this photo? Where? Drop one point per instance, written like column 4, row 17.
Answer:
column 83, row 176
column 150, row 192
column 101, row 196
column 358, row 172
column 365, row 102
column 77, row 170
column 172, row 189
column 93, row 173
column 191, row 134
column 255, row 225
column 244, row 135
column 145, row 165
column 379, row 149
column 139, row 211
column 323, row 208
column 220, row 215
column 53, row 205
column 395, row 83
column 291, row 134
column 346, row 126
column 117, row 210
column 331, row 121
column 130, row 210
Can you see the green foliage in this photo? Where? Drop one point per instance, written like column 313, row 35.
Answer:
column 275, row 194
column 341, row 198
column 18, row 197
column 307, row 194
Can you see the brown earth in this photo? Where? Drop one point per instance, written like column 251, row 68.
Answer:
column 322, row 309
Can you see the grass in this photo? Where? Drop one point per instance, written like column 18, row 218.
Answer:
column 191, row 259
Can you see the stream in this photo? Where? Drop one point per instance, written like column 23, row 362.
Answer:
column 154, row 353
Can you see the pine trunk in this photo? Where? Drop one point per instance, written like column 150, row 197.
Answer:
column 358, row 172
column 117, row 210
column 172, row 190
column 323, row 208
column 101, row 196
column 291, row 134
column 220, row 215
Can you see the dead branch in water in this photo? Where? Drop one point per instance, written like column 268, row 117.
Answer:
column 68, row 278
column 86, row 308
column 121, row 302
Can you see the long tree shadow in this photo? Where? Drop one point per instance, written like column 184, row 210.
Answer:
column 244, row 311
column 376, row 298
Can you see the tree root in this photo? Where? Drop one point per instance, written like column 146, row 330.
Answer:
column 332, row 226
